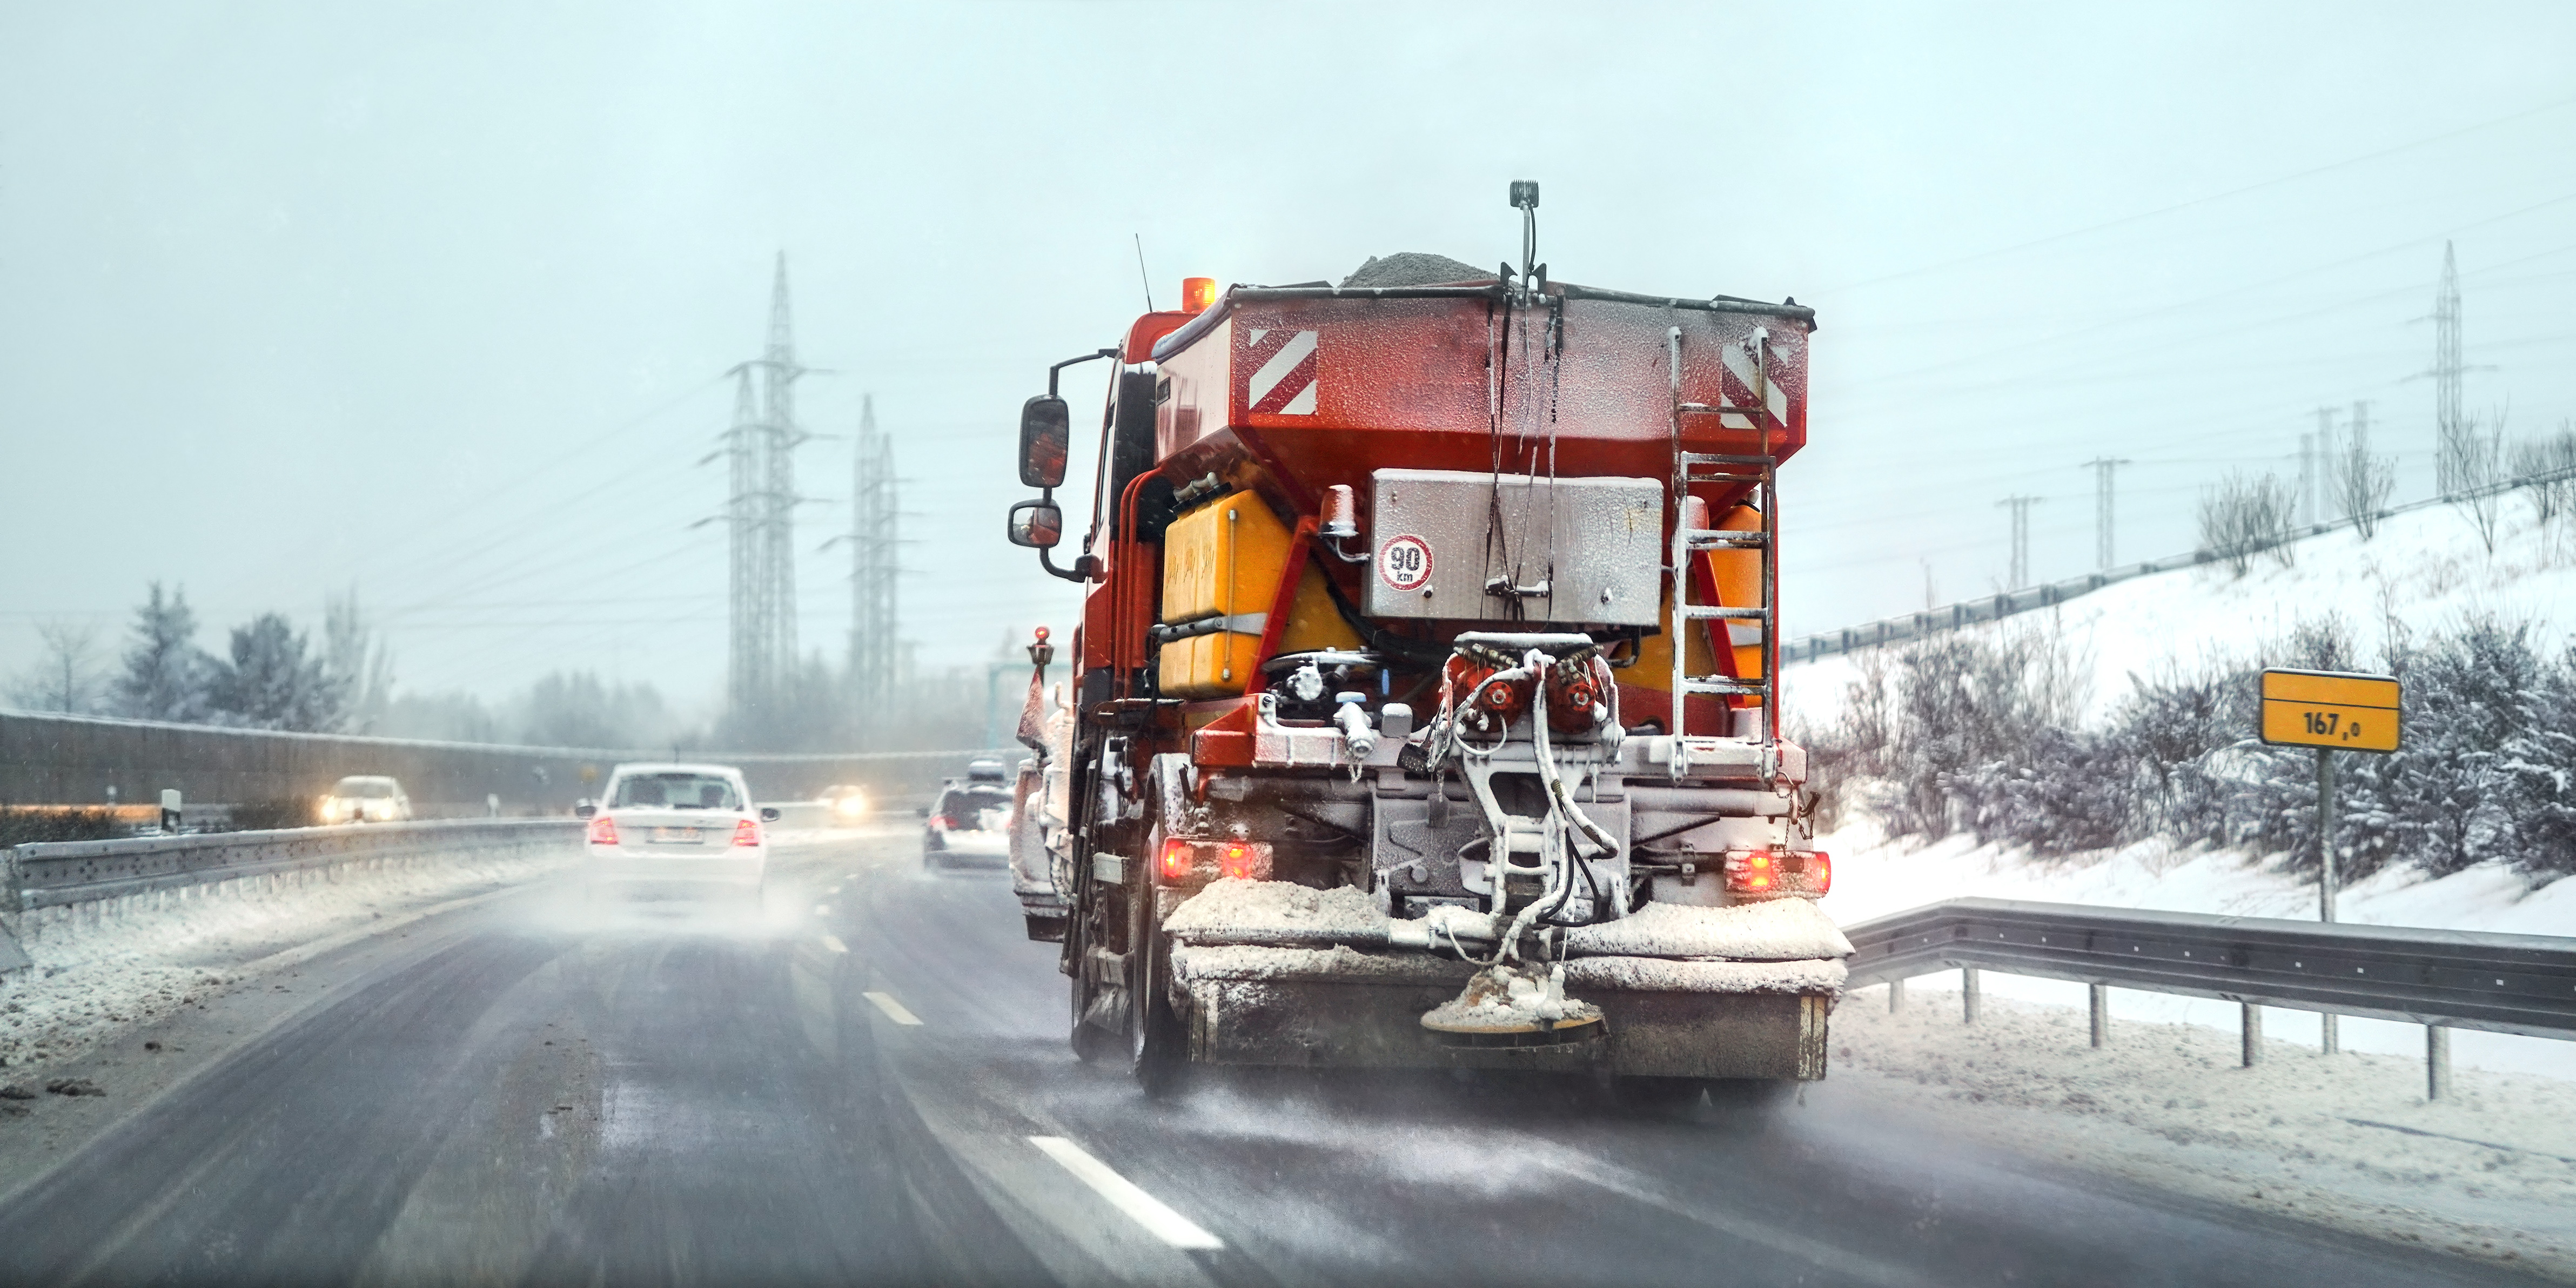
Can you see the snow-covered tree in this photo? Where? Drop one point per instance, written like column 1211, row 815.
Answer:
column 65, row 677
column 274, row 681
column 357, row 662
column 166, row 675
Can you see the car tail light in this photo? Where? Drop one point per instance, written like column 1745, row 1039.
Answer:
column 1769, row 874
column 603, row 830
column 746, row 832
column 1183, row 861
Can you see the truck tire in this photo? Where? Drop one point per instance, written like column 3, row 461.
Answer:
column 1155, row 1054
column 1091, row 1043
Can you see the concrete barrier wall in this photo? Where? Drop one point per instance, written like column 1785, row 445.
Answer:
column 59, row 759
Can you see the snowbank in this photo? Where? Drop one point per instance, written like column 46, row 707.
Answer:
column 2425, row 573
column 2349, row 1139
column 100, row 966
column 2426, row 570
column 1874, row 877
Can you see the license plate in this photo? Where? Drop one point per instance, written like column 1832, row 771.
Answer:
column 676, row 835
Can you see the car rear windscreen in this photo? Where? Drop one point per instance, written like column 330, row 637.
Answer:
column 675, row 791
column 965, row 803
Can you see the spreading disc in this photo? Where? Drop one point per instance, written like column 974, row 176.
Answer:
column 1521, row 1005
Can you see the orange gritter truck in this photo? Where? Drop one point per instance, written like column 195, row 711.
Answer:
column 1423, row 707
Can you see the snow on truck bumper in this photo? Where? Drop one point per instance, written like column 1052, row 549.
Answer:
column 1678, row 994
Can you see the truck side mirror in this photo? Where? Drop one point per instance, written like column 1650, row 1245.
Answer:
column 1046, row 437
column 1038, row 524
column 768, row 813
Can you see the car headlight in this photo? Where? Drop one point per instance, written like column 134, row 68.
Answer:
column 851, row 805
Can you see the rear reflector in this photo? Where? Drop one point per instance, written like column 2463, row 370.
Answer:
column 603, row 830
column 746, row 832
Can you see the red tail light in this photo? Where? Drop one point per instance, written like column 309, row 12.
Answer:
column 603, row 830
column 1184, row 860
column 1768, row 874
column 1753, row 874
column 746, row 832
column 1236, row 860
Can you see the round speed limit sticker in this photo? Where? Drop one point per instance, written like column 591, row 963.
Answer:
column 1405, row 562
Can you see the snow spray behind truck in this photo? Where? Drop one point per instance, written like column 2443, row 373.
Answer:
column 1423, row 707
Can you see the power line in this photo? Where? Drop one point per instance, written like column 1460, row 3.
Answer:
column 2161, row 211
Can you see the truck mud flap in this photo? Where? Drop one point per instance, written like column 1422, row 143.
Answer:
column 1375, row 1023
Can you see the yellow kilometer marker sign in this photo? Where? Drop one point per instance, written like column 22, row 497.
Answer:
column 2332, row 709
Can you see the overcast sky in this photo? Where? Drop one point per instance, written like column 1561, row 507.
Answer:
column 434, row 300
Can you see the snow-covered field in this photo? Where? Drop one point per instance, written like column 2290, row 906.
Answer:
column 2427, row 571
column 102, row 966
column 2348, row 1141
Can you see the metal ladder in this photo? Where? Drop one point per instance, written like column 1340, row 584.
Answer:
column 1695, row 535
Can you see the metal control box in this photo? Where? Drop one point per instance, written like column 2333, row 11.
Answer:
column 1515, row 548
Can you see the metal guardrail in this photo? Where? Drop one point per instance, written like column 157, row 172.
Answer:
column 56, row 874
column 2442, row 979
column 2455, row 978
column 1996, row 607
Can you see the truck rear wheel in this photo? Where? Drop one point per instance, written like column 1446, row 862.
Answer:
column 1091, row 1043
column 1155, row 1052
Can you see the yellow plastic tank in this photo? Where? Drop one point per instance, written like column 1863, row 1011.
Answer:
column 1224, row 559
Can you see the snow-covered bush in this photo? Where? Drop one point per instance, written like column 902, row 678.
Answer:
column 1977, row 733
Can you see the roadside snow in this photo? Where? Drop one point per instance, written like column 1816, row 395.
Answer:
column 2348, row 1140
column 1874, row 877
column 98, row 967
column 2426, row 570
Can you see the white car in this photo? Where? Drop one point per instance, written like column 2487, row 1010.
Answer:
column 365, row 798
column 675, row 826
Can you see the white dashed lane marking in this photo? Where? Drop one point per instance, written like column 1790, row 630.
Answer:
column 893, row 1009
column 1143, row 1208
column 833, row 942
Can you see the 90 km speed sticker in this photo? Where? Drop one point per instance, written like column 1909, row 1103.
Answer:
column 1404, row 562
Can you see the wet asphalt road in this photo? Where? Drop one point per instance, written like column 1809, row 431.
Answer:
column 670, row 1093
